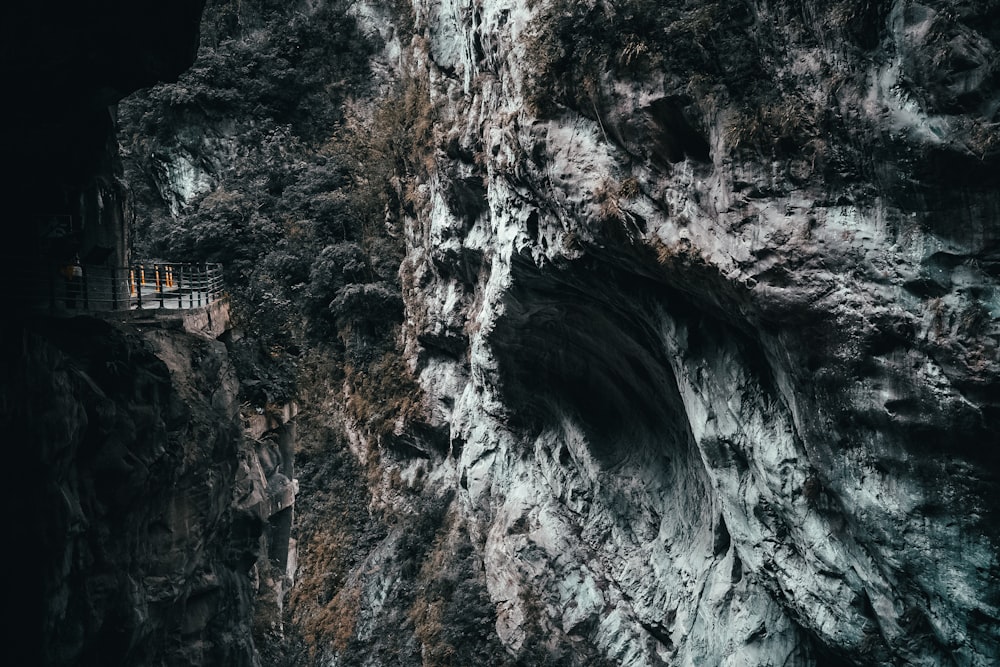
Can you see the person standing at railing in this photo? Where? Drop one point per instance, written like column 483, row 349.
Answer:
column 73, row 275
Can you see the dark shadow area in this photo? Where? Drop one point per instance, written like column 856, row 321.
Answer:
column 581, row 343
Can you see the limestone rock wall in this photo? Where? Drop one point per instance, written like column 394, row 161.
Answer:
column 720, row 378
column 702, row 301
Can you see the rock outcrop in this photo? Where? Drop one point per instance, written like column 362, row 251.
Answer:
column 702, row 300
column 722, row 372
column 129, row 444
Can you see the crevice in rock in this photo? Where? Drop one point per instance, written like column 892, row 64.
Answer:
column 675, row 136
column 659, row 633
column 722, row 539
column 736, row 574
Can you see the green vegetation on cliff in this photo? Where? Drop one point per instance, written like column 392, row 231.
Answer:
column 248, row 160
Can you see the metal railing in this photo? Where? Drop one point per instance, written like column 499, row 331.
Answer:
column 142, row 286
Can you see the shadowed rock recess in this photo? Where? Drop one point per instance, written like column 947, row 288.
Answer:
column 625, row 332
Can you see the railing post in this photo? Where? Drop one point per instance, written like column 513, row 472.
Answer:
column 159, row 281
column 202, row 282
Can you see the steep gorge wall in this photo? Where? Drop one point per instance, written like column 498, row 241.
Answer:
column 138, row 507
column 701, row 299
column 129, row 447
column 152, row 522
column 721, row 372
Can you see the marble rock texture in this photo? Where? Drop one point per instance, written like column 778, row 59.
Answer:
column 721, row 385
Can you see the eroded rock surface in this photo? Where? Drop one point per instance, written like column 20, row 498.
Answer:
column 730, row 387
column 130, row 448
column 702, row 300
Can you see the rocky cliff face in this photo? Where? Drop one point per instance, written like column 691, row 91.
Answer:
column 701, row 300
column 153, row 517
column 714, row 332
column 132, row 444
